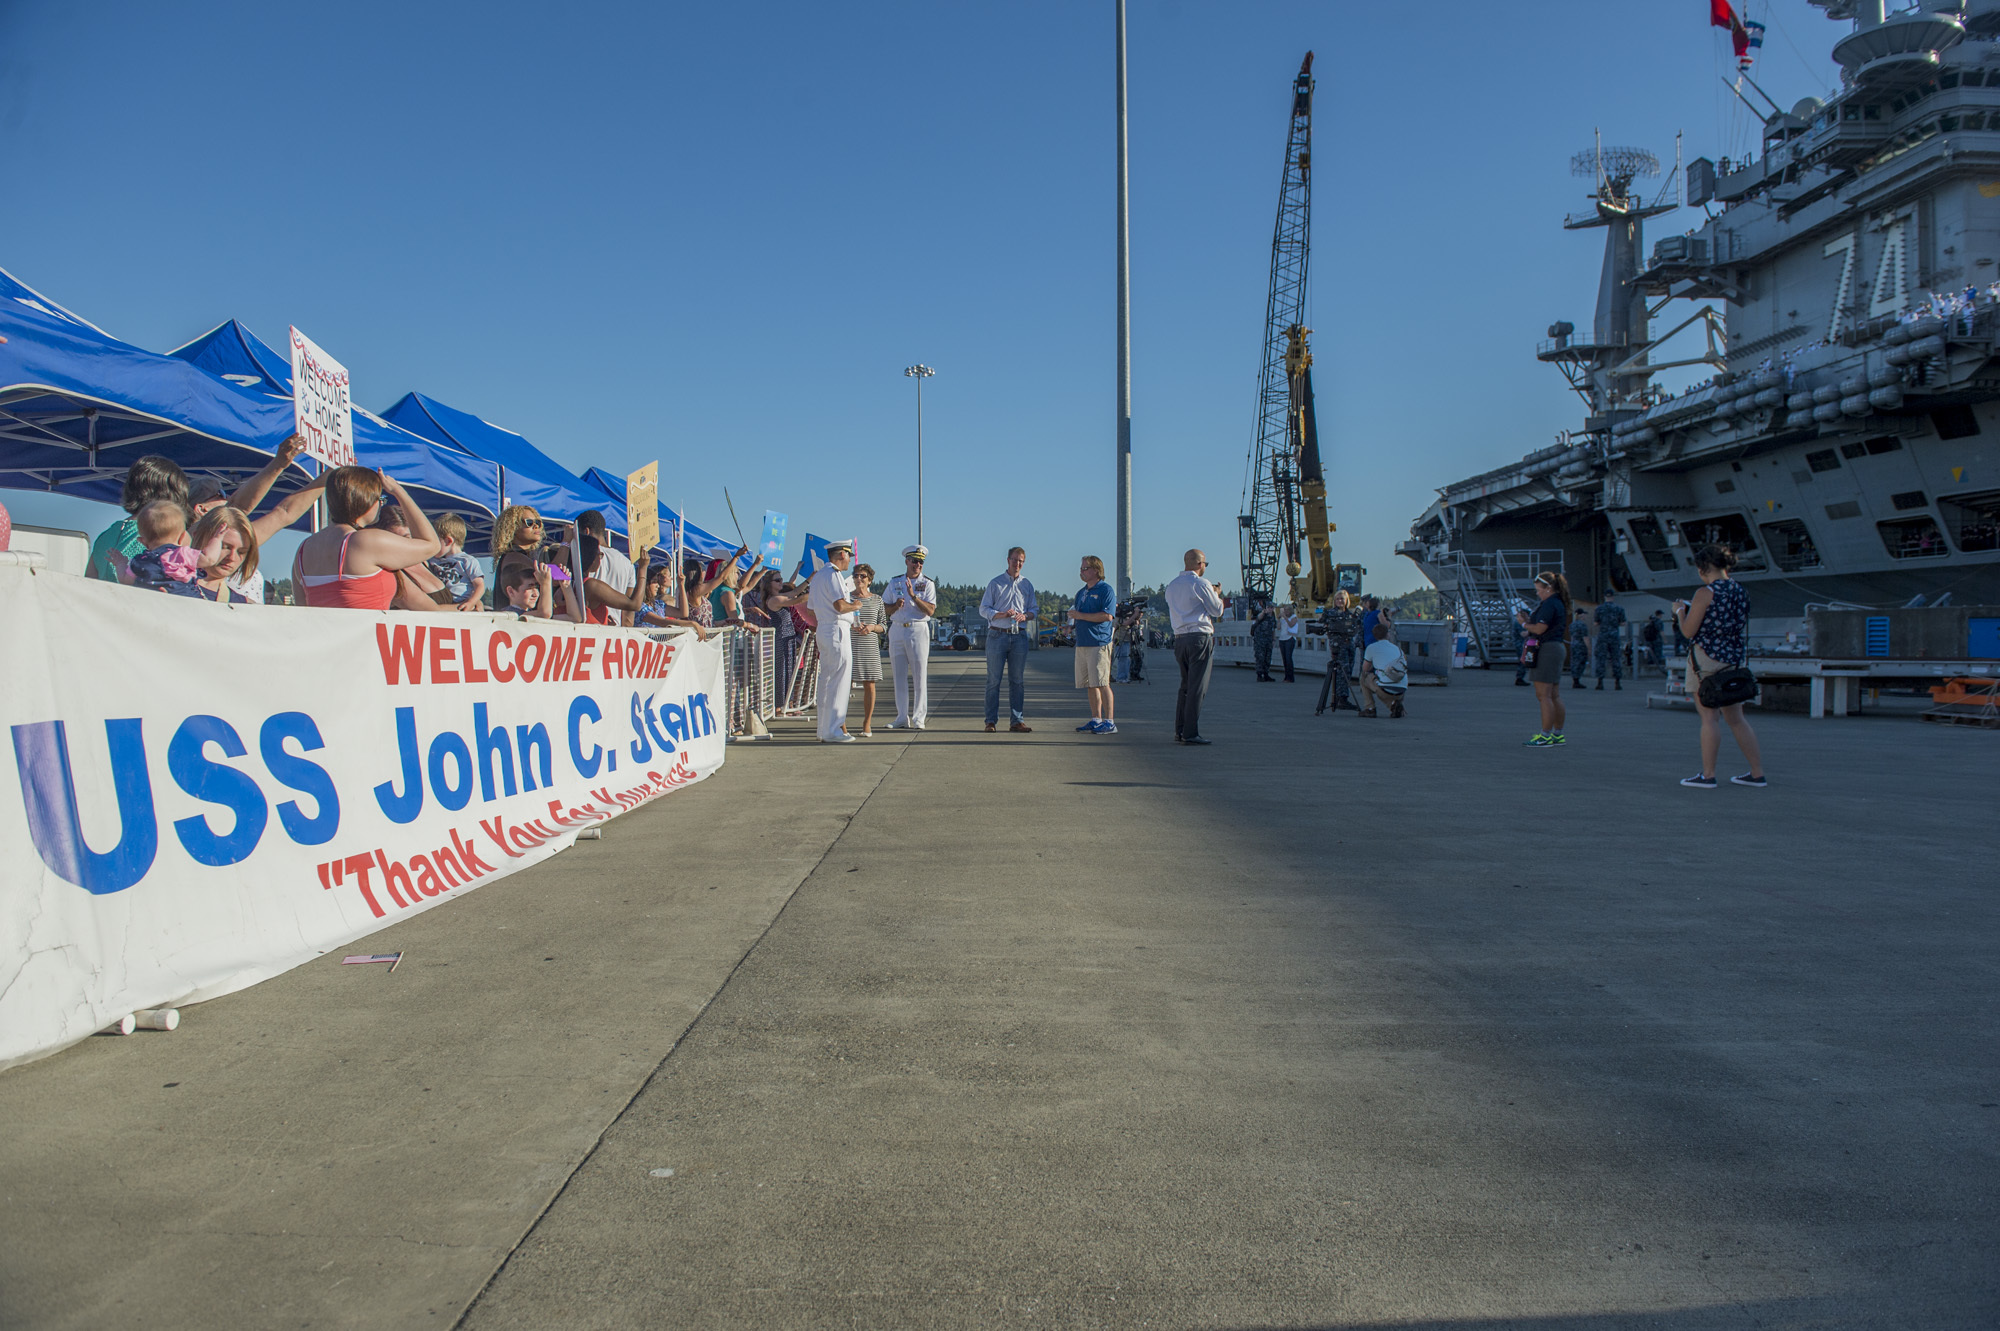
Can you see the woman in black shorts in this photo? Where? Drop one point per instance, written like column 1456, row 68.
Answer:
column 1544, row 626
column 1717, row 625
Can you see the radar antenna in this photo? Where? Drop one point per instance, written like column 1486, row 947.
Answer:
column 1614, row 169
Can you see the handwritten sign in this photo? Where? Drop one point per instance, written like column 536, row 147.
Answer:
column 771, row 549
column 642, row 510
column 321, row 402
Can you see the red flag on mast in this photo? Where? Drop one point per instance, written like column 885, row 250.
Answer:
column 1721, row 15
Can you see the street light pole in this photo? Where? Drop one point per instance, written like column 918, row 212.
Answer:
column 920, row 373
column 1124, row 455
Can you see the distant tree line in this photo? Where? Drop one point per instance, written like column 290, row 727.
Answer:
column 963, row 598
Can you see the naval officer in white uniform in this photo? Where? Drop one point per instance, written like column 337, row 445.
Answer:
column 911, row 600
column 830, row 597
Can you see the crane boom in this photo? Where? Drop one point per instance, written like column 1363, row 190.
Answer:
column 1285, row 489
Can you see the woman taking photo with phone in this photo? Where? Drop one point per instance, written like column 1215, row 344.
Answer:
column 1717, row 625
column 1542, row 651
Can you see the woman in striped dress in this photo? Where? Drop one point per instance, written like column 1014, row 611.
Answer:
column 870, row 623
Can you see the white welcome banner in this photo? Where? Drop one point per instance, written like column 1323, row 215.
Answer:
column 202, row 796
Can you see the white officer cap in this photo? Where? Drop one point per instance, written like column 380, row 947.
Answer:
column 916, row 550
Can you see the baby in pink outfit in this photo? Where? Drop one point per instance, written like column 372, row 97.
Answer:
column 169, row 563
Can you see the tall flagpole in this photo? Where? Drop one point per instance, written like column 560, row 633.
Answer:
column 1124, row 557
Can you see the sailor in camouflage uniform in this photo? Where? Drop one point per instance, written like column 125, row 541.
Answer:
column 1342, row 625
column 1610, row 619
column 1579, row 651
column 1263, row 635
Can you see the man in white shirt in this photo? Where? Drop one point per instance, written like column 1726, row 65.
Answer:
column 1193, row 604
column 1009, row 609
column 614, row 570
column 911, row 600
column 830, row 597
column 1289, row 629
column 1385, row 674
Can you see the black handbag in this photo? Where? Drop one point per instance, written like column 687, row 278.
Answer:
column 1531, row 651
column 1727, row 687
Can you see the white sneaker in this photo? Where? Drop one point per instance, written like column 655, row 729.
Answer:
column 900, row 725
column 839, row 739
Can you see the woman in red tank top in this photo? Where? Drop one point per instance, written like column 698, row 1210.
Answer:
column 350, row 564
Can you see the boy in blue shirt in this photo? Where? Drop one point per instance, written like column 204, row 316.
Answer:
column 1091, row 614
column 457, row 570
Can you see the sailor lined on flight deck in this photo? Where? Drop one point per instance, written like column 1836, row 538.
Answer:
column 911, row 599
column 830, row 596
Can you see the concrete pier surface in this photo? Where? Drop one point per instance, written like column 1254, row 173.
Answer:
column 1338, row 1023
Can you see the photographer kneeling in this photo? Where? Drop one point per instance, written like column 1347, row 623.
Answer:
column 1385, row 674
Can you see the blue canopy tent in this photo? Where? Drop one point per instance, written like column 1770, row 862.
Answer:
column 440, row 477
column 78, row 406
column 527, row 475
column 695, row 539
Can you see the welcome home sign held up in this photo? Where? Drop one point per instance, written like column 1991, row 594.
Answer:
column 321, row 401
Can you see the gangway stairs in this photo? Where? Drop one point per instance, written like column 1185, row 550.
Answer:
column 1491, row 587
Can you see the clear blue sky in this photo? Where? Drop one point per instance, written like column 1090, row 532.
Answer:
column 715, row 235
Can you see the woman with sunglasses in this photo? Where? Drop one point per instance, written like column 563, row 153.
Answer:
column 1542, row 639
column 517, row 536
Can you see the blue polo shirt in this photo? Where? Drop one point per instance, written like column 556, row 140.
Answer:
column 1094, row 601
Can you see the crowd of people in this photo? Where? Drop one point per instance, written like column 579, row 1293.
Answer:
column 848, row 618
column 380, row 551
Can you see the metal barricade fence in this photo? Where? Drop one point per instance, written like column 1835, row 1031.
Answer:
column 803, row 695
column 749, row 658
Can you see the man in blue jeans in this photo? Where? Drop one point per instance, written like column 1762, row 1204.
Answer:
column 1008, row 607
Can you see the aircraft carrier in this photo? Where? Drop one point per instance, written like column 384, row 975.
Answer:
column 1845, row 293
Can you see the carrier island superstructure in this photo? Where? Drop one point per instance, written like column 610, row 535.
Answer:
column 1843, row 290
